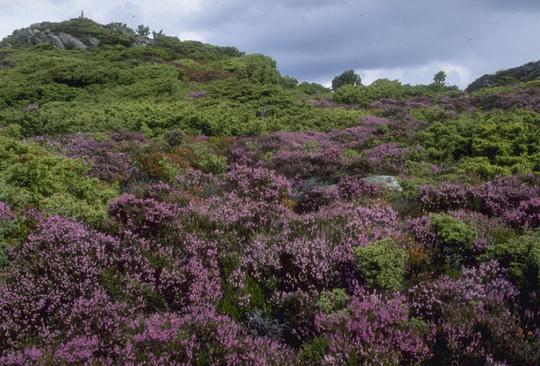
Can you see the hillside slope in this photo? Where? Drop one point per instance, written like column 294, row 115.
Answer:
column 523, row 73
column 173, row 202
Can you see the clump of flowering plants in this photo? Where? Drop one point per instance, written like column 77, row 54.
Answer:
column 276, row 250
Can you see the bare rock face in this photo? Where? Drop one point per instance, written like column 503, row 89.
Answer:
column 35, row 36
column 70, row 42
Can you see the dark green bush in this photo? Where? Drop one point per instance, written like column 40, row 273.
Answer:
column 455, row 238
column 382, row 264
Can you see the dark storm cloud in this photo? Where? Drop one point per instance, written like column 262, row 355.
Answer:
column 316, row 39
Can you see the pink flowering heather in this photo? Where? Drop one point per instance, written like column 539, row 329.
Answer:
column 351, row 188
column 446, row 196
column 197, row 94
column 503, row 194
column 377, row 121
column 350, row 225
column 526, row 215
column 372, row 330
column 5, row 212
column 389, row 154
column 200, row 337
column 493, row 198
column 146, row 217
column 57, row 265
column 311, row 198
column 308, row 264
column 470, row 316
column 108, row 160
column 258, row 183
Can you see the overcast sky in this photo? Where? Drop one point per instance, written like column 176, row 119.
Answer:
column 313, row 40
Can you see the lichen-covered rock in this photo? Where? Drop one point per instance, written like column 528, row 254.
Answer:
column 385, row 181
column 36, row 36
column 71, row 42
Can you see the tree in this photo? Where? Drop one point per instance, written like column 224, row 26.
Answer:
column 348, row 77
column 143, row 30
column 440, row 78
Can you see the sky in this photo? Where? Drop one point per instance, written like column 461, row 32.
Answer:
column 314, row 40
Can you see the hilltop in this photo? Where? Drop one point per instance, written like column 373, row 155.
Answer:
column 165, row 201
column 512, row 76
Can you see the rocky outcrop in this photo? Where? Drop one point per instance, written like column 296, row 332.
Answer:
column 35, row 36
column 527, row 72
column 75, row 34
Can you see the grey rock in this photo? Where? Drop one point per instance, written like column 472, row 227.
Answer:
column 71, row 42
column 386, row 181
column 141, row 41
column 31, row 107
column 53, row 40
column 38, row 34
column 92, row 42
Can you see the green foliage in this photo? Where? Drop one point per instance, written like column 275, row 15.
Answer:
column 439, row 79
column 147, row 89
column 193, row 49
column 313, row 352
column 348, row 77
column 382, row 264
column 208, row 161
column 256, row 68
column 455, row 238
column 143, row 30
column 352, row 94
column 331, row 301
column 525, row 73
column 521, row 255
column 491, row 144
column 313, row 88
column 31, row 177
column 6, row 229
column 384, row 88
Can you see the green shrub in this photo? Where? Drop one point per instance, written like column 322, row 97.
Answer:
column 348, row 77
column 352, row 94
column 207, row 161
column 331, row 301
column 491, row 144
column 521, row 255
column 313, row 352
column 31, row 177
column 455, row 238
column 382, row 264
